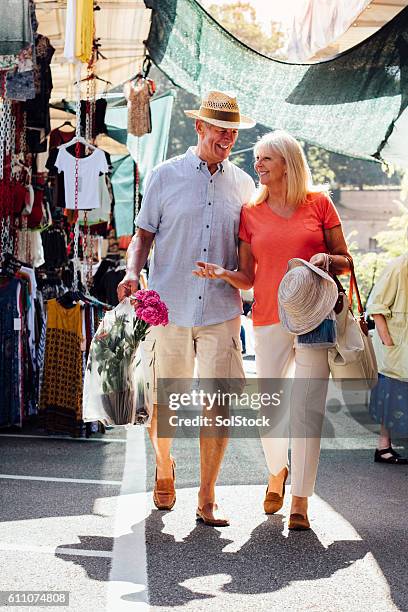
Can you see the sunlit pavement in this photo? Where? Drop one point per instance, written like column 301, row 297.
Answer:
column 76, row 517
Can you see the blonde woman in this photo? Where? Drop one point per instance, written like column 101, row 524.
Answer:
column 288, row 217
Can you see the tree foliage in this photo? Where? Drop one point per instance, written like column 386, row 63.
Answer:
column 240, row 20
column 392, row 242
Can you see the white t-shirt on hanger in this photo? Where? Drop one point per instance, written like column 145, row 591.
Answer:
column 88, row 178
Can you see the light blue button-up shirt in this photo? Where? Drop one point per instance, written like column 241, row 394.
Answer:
column 195, row 217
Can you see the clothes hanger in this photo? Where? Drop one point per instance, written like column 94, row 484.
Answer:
column 144, row 73
column 64, row 124
column 76, row 139
column 91, row 77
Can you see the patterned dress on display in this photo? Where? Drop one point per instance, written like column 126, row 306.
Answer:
column 61, row 390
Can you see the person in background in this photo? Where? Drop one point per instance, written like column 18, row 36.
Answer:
column 191, row 210
column 388, row 305
column 288, row 218
column 247, row 299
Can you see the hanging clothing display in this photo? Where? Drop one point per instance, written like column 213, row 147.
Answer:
column 106, row 279
column 84, row 31
column 149, row 150
column 45, row 327
column 55, row 178
column 21, row 318
column 102, row 213
column 37, row 110
column 98, row 119
column 70, row 32
column 54, row 242
column 20, row 82
column 10, row 352
column 88, row 178
column 138, row 94
column 60, row 400
column 15, row 28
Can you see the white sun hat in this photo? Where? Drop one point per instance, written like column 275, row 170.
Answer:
column 306, row 296
column 221, row 109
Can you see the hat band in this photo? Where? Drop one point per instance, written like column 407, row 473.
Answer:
column 209, row 113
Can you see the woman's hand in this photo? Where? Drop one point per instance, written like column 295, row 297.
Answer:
column 382, row 329
column 209, row 270
column 320, row 260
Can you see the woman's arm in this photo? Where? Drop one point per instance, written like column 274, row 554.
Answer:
column 337, row 249
column 243, row 278
column 382, row 329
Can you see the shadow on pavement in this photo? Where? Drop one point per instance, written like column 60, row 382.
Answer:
column 97, row 568
column 373, row 498
column 260, row 566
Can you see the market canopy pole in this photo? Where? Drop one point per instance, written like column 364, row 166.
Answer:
column 354, row 104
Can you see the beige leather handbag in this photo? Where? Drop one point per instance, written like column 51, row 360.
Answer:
column 352, row 361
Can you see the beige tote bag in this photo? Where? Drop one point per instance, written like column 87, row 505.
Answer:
column 352, row 361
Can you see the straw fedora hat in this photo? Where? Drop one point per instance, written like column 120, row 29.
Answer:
column 306, row 296
column 221, row 109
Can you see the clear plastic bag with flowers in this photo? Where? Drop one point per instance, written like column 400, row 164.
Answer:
column 116, row 389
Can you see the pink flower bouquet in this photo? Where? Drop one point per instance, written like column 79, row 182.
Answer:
column 113, row 364
column 150, row 311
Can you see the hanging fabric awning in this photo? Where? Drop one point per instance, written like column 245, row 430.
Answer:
column 349, row 104
column 121, row 26
column 150, row 151
column 314, row 25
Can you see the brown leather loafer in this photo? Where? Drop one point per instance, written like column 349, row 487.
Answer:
column 273, row 501
column 164, row 494
column 209, row 515
column 298, row 522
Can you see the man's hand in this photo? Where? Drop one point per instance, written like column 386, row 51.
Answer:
column 209, row 270
column 126, row 287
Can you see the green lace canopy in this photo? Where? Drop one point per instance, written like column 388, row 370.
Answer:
column 348, row 104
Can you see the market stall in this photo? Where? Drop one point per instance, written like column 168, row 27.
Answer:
column 72, row 162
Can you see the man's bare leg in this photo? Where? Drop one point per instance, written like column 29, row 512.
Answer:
column 162, row 448
column 213, row 443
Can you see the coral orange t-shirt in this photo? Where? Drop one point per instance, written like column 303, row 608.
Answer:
column 274, row 240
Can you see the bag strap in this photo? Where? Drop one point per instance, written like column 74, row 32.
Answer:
column 354, row 289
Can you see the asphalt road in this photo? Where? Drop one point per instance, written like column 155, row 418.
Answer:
column 77, row 516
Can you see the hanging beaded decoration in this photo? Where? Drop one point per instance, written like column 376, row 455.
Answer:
column 137, row 182
column 6, row 237
column 76, row 262
column 88, row 136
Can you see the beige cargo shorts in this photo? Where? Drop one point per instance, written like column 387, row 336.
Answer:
column 173, row 352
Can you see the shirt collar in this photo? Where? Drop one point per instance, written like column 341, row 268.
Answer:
column 197, row 163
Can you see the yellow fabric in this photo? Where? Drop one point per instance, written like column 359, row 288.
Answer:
column 84, row 30
column 390, row 298
column 67, row 319
column 61, row 391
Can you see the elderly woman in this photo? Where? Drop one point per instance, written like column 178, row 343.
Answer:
column 388, row 304
column 287, row 218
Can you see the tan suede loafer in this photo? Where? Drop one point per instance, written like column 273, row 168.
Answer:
column 210, row 515
column 164, row 494
column 298, row 522
column 273, row 501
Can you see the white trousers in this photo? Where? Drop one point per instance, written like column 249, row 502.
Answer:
column 277, row 358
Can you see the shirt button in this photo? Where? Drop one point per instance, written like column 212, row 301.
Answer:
column 207, row 226
column 199, row 297
column 209, row 203
column 205, row 250
column 210, row 180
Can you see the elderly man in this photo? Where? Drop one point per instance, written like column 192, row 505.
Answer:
column 191, row 210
